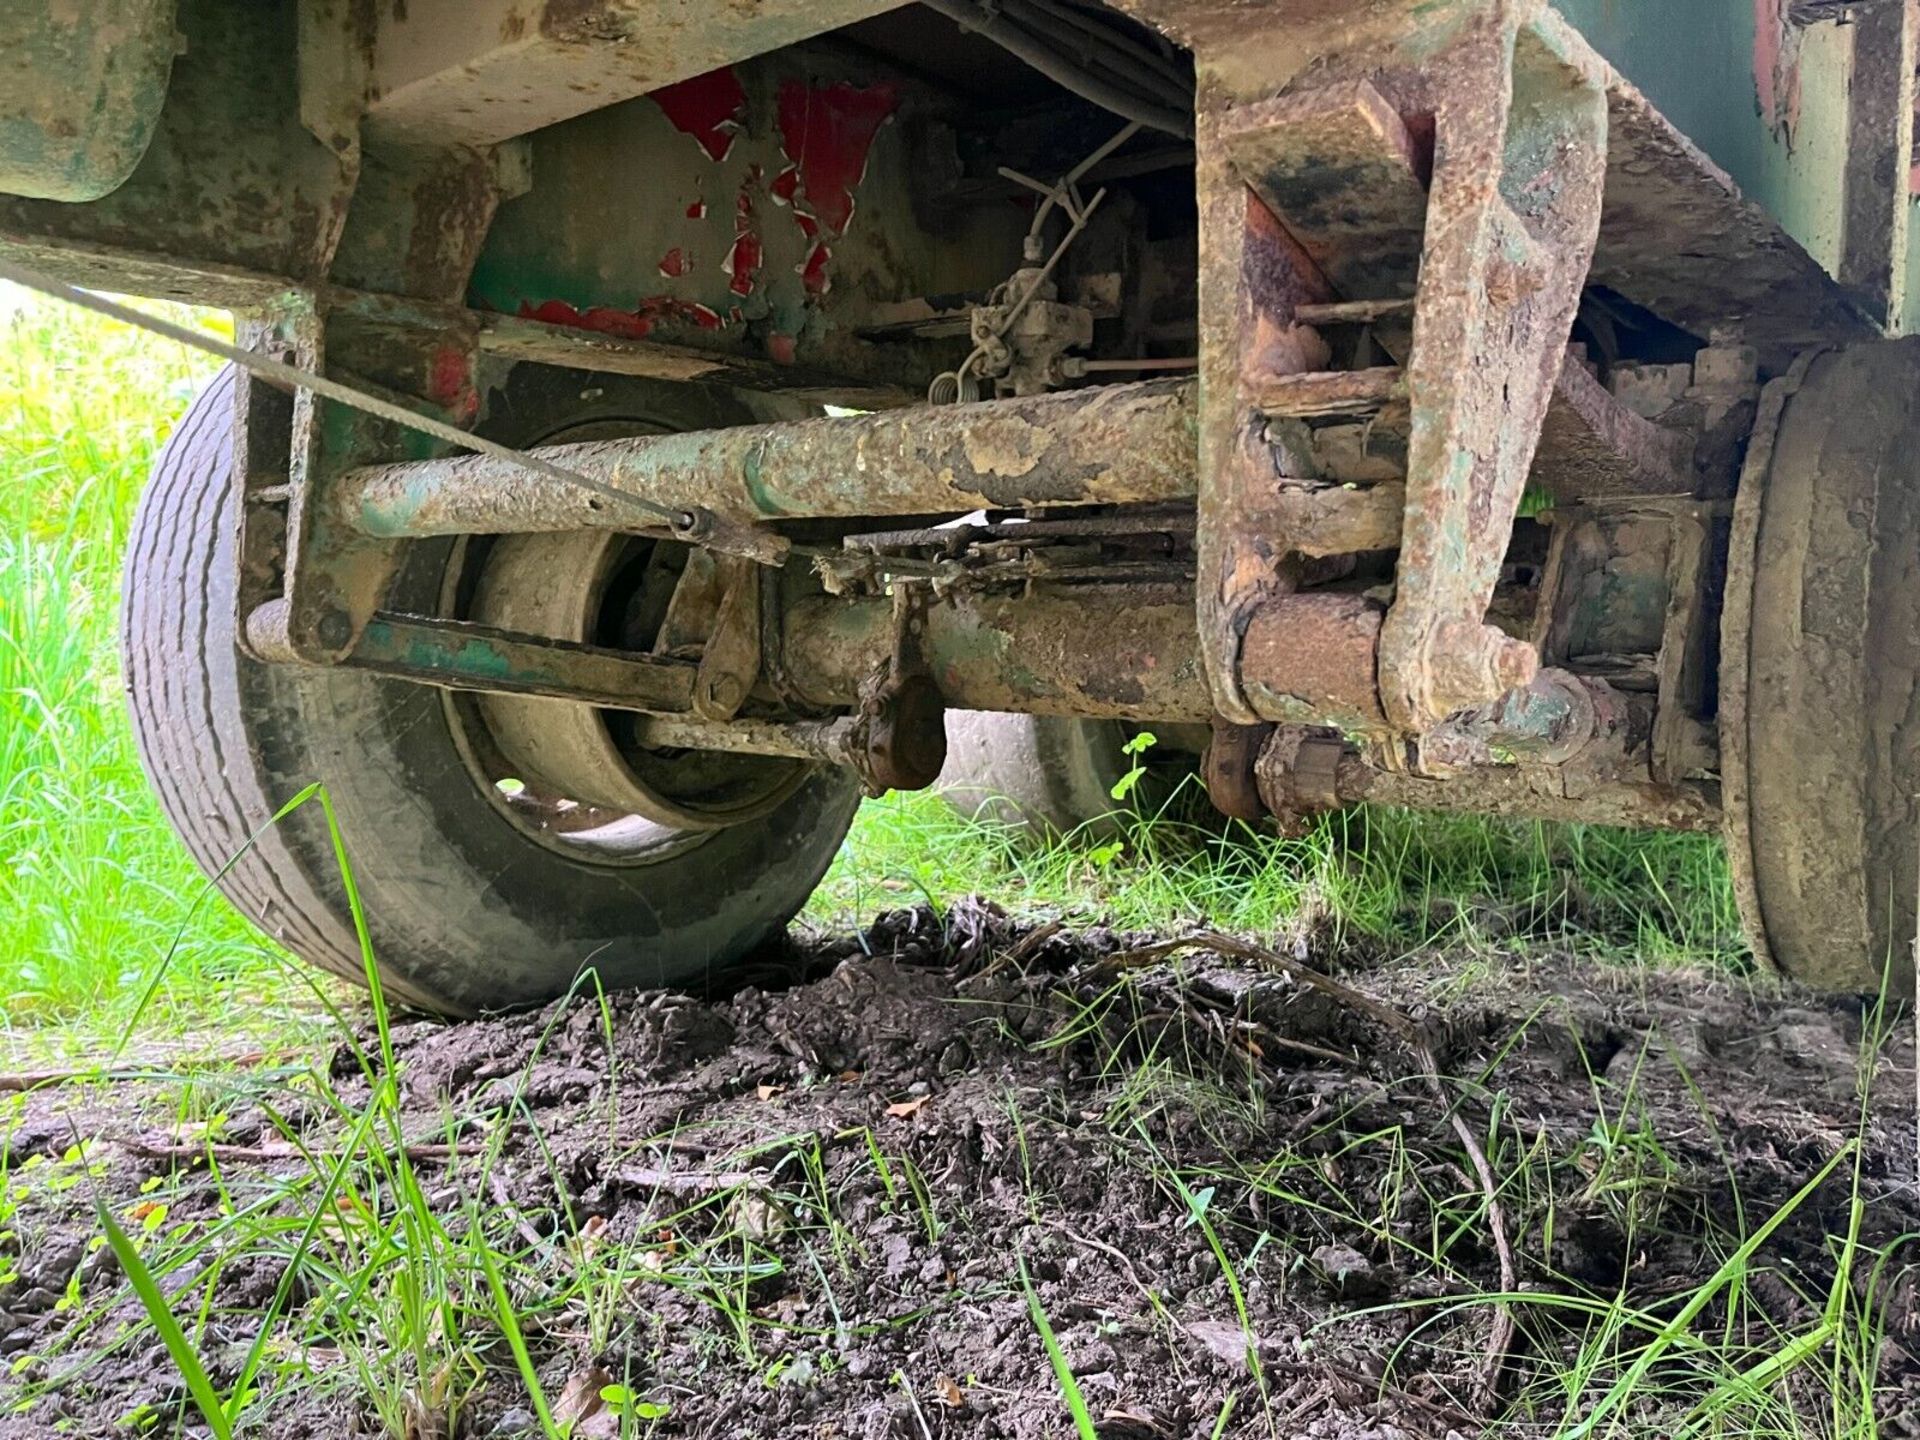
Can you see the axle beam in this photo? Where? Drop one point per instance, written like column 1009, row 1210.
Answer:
column 1112, row 445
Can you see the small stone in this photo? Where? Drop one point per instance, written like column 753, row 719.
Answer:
column 515, row 1422
column 51, row 1269
column 102, row 1263
column 36, row 1301
column 1090, row 1357
column 1347, row 1272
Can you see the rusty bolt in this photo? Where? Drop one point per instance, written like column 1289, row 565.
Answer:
column 334, row 629
column 1298, row 774
column 1514, row 663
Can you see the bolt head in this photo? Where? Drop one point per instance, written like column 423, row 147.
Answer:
column 334, row 629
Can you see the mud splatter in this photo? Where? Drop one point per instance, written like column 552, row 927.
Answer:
column 1776, row 65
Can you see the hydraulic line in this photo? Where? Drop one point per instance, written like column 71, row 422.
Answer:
column 1157, row 113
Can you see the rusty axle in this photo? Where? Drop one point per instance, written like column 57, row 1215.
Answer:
column 1112, row 445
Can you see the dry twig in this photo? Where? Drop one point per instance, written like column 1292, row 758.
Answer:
column 156, row 1069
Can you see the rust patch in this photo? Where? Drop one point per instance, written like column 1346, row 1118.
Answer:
column 1311, row 659
column 1004, row 448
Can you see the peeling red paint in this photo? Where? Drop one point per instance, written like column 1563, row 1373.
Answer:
column 674, row 263
column 599, row 318
column 635, row 324
column 785, row 185
column 743, row 262
column 809, row 227
column 813, row 271
column 711, row 108
column 450, row 381
column 697, row 210
column 827, row 132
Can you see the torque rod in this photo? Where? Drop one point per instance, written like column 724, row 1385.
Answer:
column 694, row 524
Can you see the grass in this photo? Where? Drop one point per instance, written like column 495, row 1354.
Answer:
column 1712, row 1358
column 93, row 885
column 408, row 1305
column 1401, row 879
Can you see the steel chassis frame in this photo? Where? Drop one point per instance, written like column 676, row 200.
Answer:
column 1452, row 178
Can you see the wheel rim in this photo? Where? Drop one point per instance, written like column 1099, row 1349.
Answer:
column 572, row 776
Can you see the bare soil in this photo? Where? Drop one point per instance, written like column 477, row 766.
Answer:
column 862, row 1158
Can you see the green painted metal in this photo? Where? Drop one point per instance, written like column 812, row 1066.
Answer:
column 460, row 656
column 81, row 89
column 712, row 241
column 1770, row 111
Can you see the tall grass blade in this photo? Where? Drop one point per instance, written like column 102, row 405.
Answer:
column 1062, row 1372
column 154, row 1302
column 1734, row 1266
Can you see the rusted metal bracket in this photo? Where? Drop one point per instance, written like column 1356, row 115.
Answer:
column 336, row 577
column 906, row 718
column 1477, row 175
column 730, row 661
column 1227, row 769
column 1520, row 164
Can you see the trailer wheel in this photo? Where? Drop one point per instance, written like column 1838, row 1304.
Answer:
column 1820, row 673
column 480, row 892
column 1051, row 774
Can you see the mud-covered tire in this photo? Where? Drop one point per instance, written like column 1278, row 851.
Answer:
column 466, row 910
column 1820, row 675
column 1049, row 774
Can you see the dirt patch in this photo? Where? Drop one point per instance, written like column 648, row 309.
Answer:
column 839, row 1205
